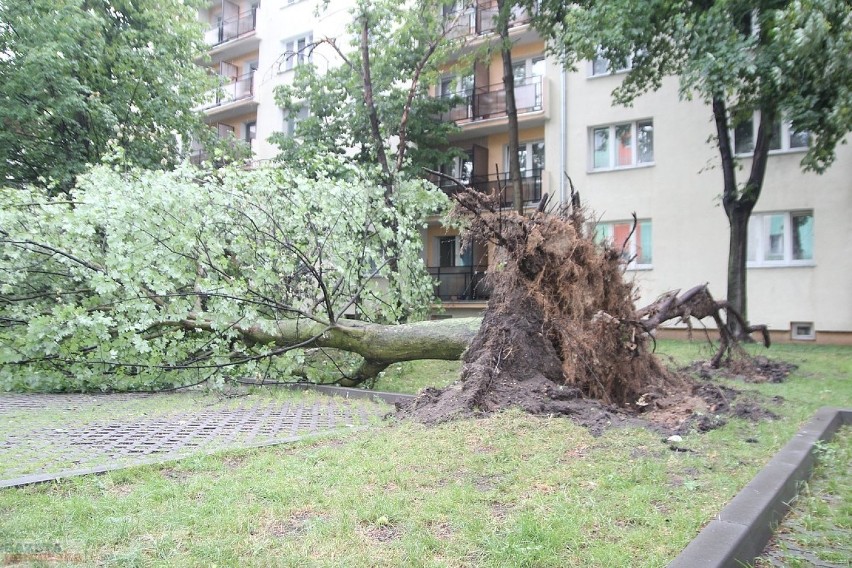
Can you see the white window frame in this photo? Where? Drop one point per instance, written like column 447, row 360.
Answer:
column 529, row 64
column 612, row 128
column 293, row 53
column 758, row 235
column 527, row 167
column 290, row 122
column 605, row 230
column 600, row 59
column 786, row 134
column 798, row 336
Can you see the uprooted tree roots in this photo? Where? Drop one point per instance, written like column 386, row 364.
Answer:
column 561, row 324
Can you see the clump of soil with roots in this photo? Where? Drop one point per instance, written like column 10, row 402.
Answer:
column 561, row 333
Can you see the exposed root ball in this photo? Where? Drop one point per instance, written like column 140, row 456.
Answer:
column 561, row 322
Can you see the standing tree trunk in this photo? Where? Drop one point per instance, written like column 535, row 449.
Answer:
column 739, row 204
column 504, row 14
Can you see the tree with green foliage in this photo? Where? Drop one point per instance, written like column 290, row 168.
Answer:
column 369, row 99
column 772, row 60
column 144, row 280
column 80, row 79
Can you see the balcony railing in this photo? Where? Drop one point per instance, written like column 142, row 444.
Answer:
column 490, row 102
column 231, row 29
column 480, row 19
column 460, row 283
column 231, row 90
column 500, row 185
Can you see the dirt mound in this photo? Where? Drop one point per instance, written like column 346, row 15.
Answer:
column 561, row 334
column 749, row 369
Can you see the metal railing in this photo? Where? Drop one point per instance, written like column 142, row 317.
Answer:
column 490, row 101
column 500, row 185
column 460, row 283
column 231, row 29
column 480, row 19
column 231, row 90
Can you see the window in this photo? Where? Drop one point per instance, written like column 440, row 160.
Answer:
column 452, row 85
column 637, row 248
column 296, row 52
column 526, row 68
column 292, row 119
column 531, row 156
column 251, row 132
column 802, row 330
column 450, row 253
column 622, row 145
column 600, row 66
column 783, row 139
column 781, row 239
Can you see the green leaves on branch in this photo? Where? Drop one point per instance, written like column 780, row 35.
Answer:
column 82, row 78
column 145, row 279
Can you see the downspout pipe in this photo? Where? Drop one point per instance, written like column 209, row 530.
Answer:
column 563, row 136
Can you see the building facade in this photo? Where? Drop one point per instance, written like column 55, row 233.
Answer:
column 652, row 158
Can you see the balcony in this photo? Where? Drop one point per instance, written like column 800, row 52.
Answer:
column 490, row 102
column 480, row 19
column 531, row 187
column 233, row 98
column 460, row 283
column 233, row 37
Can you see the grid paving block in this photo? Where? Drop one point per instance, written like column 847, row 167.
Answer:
column 126, row 436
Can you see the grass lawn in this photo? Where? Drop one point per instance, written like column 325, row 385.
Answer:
column 509, row 490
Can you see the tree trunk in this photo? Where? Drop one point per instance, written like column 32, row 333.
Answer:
column 511, row 108
column 738, row 217
column 379, row 345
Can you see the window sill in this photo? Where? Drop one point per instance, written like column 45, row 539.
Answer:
column 800, row 264
column 621, row 168
column 775, row 152
column 640, row 268
column 610, row 74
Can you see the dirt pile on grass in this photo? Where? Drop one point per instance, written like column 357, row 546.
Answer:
column 561, row 334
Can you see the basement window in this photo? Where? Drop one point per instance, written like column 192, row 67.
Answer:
column 802, row 330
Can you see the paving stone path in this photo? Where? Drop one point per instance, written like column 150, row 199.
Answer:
column 44, row 437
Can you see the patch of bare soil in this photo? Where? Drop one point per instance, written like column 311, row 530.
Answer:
column 757, row 369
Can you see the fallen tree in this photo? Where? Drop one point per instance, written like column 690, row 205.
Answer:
column 152, row 280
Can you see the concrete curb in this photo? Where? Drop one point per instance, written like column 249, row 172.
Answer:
column 742, row 529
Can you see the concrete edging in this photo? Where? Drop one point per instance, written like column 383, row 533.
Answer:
column 740, row 532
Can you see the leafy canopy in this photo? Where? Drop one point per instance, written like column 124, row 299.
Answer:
column 96, row 287
column 790, row 57
column 408, row 45
column 81, row 78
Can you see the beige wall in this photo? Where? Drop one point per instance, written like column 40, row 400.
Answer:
column 680, row 193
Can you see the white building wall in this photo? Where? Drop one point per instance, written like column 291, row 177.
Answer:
column 681, row 194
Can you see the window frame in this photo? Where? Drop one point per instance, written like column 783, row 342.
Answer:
column 592, row 73
column 759, row 236
column 290, row 122
column 612, row 150
column 631, row 252
column 528, row 168
column 786, row 133
column 292, row 54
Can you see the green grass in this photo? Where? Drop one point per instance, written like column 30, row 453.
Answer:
column 821, row 519
column 509, row 490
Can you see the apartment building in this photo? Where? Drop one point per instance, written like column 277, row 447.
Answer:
column 652, row 158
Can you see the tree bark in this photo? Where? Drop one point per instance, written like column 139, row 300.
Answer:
column 739, row 205
column 505, row 10
column 379, row 345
